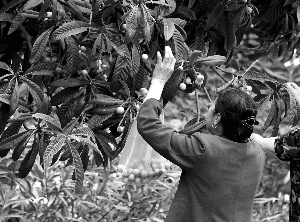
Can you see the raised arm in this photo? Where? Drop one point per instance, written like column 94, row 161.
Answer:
column 180, row 149
column 285, row 147
column 268, row 144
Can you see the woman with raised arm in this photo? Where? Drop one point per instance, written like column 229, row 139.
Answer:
column 221, row 171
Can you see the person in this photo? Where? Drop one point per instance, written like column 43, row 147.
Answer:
column 221, row 171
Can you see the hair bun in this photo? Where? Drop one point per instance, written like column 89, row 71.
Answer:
column 249, row 112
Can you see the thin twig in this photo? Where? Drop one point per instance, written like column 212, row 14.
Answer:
column 197, row 104
column 214, row 69
column 250, row 67
column 223, row 70
column 207, row 94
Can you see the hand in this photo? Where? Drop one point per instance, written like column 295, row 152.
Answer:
column 164, row 68
column 294, row 89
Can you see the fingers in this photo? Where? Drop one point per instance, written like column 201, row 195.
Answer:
column 168, row 52
column 169, row 57
column 159, row 58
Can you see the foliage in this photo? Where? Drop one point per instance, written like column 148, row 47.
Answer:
column 71, row 71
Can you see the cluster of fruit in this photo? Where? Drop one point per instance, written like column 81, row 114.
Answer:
column 142, row 172
column 198, row 81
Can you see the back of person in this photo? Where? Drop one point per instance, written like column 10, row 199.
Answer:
column 222, row 185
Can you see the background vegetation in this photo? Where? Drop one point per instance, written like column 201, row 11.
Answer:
column 71, row 74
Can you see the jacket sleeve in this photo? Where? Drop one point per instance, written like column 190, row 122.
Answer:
column 181, row 149
column 287, row 147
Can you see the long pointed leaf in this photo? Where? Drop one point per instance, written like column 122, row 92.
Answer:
column 54, row 146
column 70, row 28
column 51, row 122
column 28, row 161
column 78, row 167
column 96, row 120
column 14, row 98
column 3, row 65
column 14, row 140
column 18, row 150
column 40, row 45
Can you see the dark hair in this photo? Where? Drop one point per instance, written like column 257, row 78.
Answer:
column 238, row 112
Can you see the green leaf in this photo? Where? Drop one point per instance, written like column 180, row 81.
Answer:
column 215, row 60
column 42, row 73
column 14, row 98
column 99, row 43
column 258, row 75
column 181, row 49
column 6, row 17
column 104, row 146
column 191, row 3
column 18, row 150
column 11, row 130
column 84, row 156
column 278, row 119
column 40, row 44
column 70, row 28
column 121, row 72
column 234, row 6
column 140, row 77
column 4, row 115
column 41, row 67
column 239, row 18
column 31, row 4
column 135, row 59
column 78, row 167
column 169, row 28
column 178, row 22
column 294, row 109
column 139, row 23
column 35, row 88
column 70, row 126
column 271, row 115
column 96, row 120
column 89, row 143
column 74, row 58
column 122, row 141
column 51, row 122
column 194, row 56
column 69, row 82
column 98, row 157
column 263, row 103
column 64, row 95
column 187, row 13
column 126, row 88
column 215, row 15
column 105, row 101
column 108, row 137
column 55, row 145
column 121, row 48
column 14, row 140
column 68, row 110
column 227, row 29
column 3, row 65
column 10, row 5
column 16, row 23
column 83, row 130
column 36, row 92
column 28, row 161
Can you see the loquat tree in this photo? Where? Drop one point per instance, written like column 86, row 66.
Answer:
column 74, row 73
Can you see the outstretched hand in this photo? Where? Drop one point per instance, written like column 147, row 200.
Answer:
column 164, row 67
